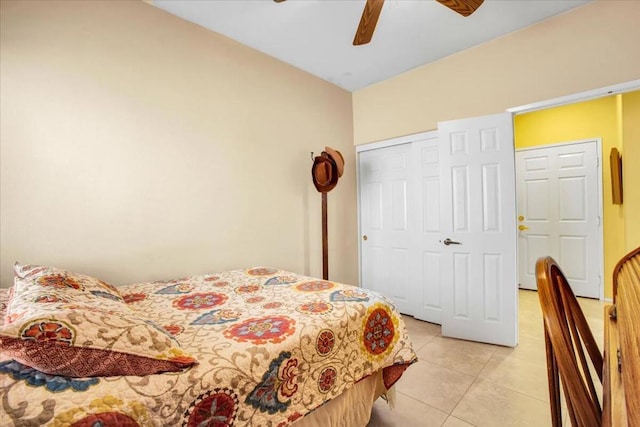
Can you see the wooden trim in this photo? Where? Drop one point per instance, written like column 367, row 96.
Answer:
column 325, row 239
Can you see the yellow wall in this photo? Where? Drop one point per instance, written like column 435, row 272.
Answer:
column 136, row 146
column 599, row 118
column 595, row 118
column 590, row 47
column 631, row 168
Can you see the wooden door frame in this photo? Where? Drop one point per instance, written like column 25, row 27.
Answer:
column 600, row 198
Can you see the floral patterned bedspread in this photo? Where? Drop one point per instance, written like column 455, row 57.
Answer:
column 271, row 345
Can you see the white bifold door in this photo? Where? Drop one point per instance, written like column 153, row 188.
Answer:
column 437, row 221
column 388, row 224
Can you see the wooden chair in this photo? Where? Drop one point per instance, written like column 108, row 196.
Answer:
column 567, row 335
column 626, row 298
column 628, row 269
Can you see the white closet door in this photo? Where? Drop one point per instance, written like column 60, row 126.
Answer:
column 388, row 239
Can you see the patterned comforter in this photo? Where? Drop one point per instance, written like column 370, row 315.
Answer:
column 272, row 346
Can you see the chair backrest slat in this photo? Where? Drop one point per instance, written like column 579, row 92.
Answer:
column 569, row 336
column 576, row 334
column 626, row 295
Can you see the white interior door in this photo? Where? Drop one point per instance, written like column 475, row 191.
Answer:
column 478, row 212
column 559, row 213
column 388, row 238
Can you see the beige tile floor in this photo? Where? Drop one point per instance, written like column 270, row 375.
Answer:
column 459, row 383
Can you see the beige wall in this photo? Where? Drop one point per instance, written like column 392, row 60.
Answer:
column 590, row 47
column 137, row 146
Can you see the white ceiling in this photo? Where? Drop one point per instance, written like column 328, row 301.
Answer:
column 317, row 35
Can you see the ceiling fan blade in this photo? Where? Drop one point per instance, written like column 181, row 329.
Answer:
column 463, row 7
column 368, row 22
column 278, row 1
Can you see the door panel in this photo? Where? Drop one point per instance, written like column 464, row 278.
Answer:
column 399, row 278
column 459, row 189
column 375, row 269
column 491, row 198
column 431, row 204
column 399, row 205
column 573, row 251
column 429, row 261
column 461, row 285
column 478, row 204
column 492, row 284
column 432, row 299
column 536, row 208
column 558, row 201
column 374, row 207
column 535, row 245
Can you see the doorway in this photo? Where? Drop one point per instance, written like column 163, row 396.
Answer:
column 578, row 120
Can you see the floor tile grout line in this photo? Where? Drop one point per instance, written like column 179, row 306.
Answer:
column 453, row 369
column 420, row 401
column 478, row 378
column 460, row 400
column 492, row 351
column 513, row 389
column 485, row 365
column 496, row 384
column 423, row 345
column 458, row 418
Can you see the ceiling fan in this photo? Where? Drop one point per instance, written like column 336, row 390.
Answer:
column 372, row 10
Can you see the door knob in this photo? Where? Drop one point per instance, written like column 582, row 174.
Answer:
column 364, row 237
column 522, row 227
column 448, row 242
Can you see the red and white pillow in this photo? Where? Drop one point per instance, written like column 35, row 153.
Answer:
column 69, row 324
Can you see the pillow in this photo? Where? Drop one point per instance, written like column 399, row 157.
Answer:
column 69, row 324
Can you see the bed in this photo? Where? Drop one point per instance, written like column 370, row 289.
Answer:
column 256, row 347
